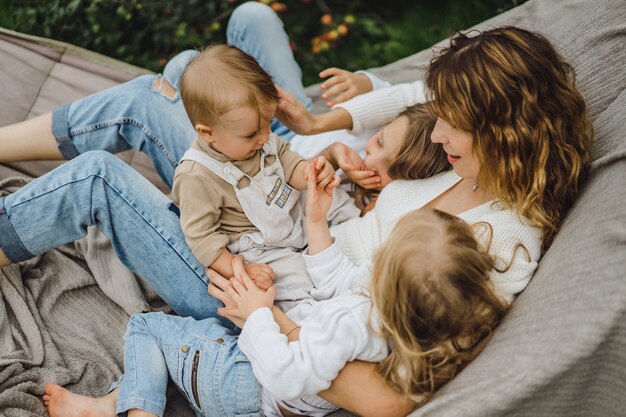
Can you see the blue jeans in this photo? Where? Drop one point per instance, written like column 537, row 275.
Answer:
column 200, row 356
column 141, row 115
column 96, row 188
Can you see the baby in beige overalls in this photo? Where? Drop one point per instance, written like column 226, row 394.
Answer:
column 237, row 188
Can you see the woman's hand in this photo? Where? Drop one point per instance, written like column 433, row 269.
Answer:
column 343, row 85
column 294, row 114
column 261, row 274
column 240, row 295
column 346, row 158
column 298, row 119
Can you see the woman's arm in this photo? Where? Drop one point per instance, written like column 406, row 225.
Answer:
column 297, row 118
column 378, row 107
column 360, row 390
column 367, row 111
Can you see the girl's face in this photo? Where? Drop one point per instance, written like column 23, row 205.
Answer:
column 383, row 147
column 458, row 144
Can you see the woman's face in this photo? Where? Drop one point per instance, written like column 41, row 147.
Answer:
column 458, row 144
column 383, row 147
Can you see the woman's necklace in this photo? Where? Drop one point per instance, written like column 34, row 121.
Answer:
column 475, row 187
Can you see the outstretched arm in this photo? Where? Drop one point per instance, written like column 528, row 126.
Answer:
column 372, row 398
column 296, row 117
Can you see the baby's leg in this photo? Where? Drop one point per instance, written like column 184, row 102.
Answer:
column 202, row 359
column 144, row 383
column 61, row 402
column 29, row 140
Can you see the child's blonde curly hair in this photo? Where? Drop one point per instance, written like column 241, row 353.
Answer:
column 437, row 306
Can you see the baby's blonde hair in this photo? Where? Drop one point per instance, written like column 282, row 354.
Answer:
column 437, row 306
column 222, row 78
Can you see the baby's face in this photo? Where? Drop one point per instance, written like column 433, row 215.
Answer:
column 383, row 147
column 242, row 131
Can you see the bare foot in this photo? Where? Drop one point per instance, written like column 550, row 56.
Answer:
column 63, row 403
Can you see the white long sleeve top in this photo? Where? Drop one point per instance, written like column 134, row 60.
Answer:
column 338, row 327
column 381, row 106
column 357, row 238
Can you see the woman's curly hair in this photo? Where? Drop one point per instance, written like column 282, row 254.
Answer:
column 512, row 91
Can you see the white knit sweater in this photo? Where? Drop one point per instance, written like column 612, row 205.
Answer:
column 378, row 107
column 337, row 327
column 359, row 237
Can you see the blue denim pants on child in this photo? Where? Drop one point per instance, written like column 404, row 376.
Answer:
column 200, row 356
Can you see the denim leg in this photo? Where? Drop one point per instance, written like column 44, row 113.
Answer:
column 135, row 115
column 200, row 356
column 144, row 384
column 97, row 188
column 175, row 66
column 256, row 29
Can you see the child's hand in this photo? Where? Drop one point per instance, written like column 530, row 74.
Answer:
column 343, row 85
column 245, row 294
column 324, row 172
column 217, row 289
column 294, row 114
column 261, row 274
column 346, row 158
column 351, row 163
column 318, row 200
column 366, row 178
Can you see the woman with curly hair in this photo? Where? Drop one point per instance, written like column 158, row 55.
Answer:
column 510, row 120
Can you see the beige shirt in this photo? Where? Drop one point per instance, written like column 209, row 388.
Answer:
column 210, row 214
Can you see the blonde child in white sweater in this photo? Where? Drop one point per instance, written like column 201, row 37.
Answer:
column 431, row 311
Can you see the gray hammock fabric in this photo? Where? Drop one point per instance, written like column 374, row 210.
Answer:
column 561, row 351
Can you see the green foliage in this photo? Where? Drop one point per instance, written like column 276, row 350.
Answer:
column 352, row 35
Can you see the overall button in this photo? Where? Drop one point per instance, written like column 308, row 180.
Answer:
column 184, row 348
column 219, row 340
column 226, row 170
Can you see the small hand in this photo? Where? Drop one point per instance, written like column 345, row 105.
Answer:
column 217, row 289
column 347, row 158
column 318, row 201
column 366, row 178
column 324, row 172
column 343, row 85
column 245, row 294
column 261, row 274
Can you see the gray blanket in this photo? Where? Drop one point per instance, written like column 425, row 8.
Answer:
column 44, row 302
column 62, row 320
